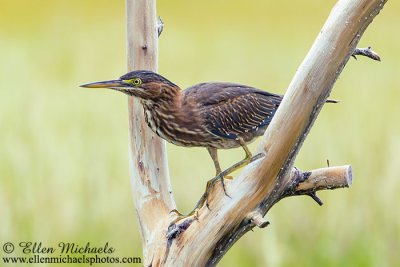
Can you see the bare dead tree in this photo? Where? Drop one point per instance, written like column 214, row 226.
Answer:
column 263, row 182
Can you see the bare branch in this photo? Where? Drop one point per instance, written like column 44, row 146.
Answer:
column 326, row 178
column 366, row 52
column 160, row 25
column 257, row 219
column 299, row 183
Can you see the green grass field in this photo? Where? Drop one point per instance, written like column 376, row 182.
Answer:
column 64, row 172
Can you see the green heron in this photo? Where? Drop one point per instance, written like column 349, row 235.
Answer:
column 214, row 115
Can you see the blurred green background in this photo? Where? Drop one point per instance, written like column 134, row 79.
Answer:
column 64, row 172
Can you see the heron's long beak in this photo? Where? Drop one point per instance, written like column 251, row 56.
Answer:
column 106, row 84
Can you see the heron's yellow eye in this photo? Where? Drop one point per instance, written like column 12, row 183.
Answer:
column 136, row 81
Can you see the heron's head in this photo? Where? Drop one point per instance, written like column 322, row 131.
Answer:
column 146, row 85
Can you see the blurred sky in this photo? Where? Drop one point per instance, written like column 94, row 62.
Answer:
column 64, row 172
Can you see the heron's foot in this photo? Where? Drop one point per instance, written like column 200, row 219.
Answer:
column 181, row 216
column 211, row 183
column 176, row 212
column 225, row 175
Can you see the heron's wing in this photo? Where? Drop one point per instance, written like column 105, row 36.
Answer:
column 230, row 110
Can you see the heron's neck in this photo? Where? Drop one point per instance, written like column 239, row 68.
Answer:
column 168, row 111
column 168, row 100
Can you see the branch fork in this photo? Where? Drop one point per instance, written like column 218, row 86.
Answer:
column 262, row 183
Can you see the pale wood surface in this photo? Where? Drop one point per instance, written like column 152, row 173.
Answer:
column 151, row 187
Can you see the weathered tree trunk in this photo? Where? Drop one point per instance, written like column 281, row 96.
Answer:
column 150, row 181
column 263, row 182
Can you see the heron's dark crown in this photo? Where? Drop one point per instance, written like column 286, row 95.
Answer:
column 147, row 77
